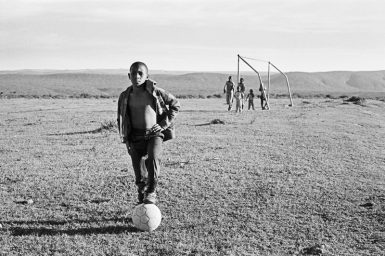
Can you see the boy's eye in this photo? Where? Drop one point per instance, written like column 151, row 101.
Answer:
column 140, row 73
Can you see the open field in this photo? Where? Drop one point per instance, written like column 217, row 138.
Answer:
column 289, row 181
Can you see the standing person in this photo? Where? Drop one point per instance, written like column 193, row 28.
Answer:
column 146, row 115
column 250, row 98
column 264, row 104
column 229, row 90
column 242, row 88
column 238, row 96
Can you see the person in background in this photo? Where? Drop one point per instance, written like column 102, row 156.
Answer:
column 229, row 90
column 264, row 104
column 242, row 88
column 238, row 96
column 250, row 99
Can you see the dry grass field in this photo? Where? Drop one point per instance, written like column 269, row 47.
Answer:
column 301, row 180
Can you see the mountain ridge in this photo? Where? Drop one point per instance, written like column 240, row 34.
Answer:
column 97, row 83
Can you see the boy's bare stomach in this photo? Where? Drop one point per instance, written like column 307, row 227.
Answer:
column 143, row 117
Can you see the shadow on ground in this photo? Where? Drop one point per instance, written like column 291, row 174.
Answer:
column 16, row 227
column 99, row 130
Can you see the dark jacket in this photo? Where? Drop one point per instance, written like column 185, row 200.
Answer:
column 166, row 107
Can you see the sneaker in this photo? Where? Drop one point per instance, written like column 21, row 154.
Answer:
column 150, row 198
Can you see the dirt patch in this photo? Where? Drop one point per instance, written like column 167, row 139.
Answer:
column 217, row 121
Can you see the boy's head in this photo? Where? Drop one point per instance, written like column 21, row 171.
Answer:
column 251, row 90
column 241, row 80
column 229, row 78
column 138, row 73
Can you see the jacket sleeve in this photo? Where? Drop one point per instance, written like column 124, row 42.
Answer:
column 172, row 110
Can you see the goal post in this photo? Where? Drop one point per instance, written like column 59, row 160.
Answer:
column 268, row 74
column 259, row 77
column 287, row 82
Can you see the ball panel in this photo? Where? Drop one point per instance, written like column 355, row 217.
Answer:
column 146, row 217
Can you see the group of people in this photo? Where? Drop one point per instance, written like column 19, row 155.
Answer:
column 240, row 98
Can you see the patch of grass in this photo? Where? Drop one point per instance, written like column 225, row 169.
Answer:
column 214, row 96
column 217, row 121
column 357, row 100
column 108, row 125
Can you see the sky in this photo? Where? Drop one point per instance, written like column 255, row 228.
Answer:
column 193, row 35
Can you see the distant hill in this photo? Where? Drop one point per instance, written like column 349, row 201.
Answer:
column 109, row 83
column 335, row 81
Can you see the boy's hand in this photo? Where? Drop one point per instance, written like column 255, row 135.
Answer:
column 156, row 128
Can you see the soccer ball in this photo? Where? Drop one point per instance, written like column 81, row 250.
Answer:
column 146, row 217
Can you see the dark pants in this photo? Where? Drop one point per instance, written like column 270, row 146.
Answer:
column 251, row 105
column 143, row 143
column 229, row 97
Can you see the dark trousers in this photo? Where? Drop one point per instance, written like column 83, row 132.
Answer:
column 140, row 145
column 229, row 97
column 251, row 105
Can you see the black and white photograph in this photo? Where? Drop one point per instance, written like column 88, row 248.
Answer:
column 181, row 127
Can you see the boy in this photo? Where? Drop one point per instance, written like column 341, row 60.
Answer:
column 241, row 86
column 264, row 104
column 238, row 95
column 250, row 98
column 146, row 115
column 229, row 90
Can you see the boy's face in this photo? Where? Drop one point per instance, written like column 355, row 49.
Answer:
column 138, row 75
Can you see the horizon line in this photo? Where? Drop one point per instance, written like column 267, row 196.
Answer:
column 168, row 71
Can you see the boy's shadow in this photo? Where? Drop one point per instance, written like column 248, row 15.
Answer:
column 17, row 227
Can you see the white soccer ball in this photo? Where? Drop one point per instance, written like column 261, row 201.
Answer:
column 146, row 217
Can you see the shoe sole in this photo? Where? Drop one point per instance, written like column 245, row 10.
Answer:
column 148, row 202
